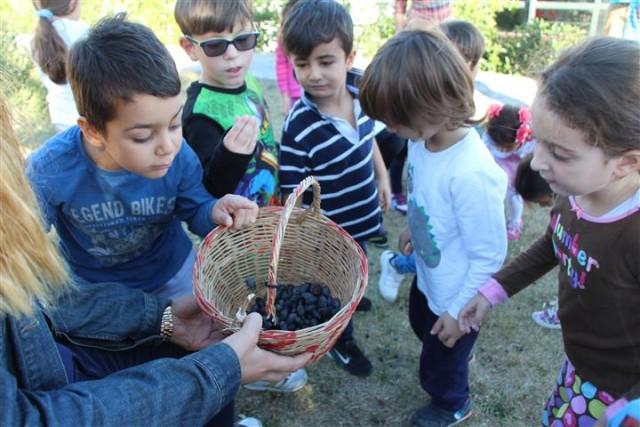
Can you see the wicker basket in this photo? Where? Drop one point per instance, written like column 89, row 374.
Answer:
column 285, row 245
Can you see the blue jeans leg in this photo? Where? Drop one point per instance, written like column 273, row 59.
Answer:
column 92, row 364
column 444, row 372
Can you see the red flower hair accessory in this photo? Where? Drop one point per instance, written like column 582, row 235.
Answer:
column 524, row 133
column 494, row 110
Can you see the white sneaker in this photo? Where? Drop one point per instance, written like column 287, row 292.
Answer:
column 293, row 382
column 248, row 422
column 390, row 280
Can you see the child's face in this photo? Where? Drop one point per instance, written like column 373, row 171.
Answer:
column 323, row 74
column 564, row 157
column 227, row 70
column 143, row 138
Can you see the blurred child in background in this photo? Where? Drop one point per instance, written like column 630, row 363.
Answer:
column 288, row 85
column 59, row 27
column 508, row 138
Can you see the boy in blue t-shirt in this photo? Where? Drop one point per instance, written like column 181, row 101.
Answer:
column 326, row 135
column 117, row 186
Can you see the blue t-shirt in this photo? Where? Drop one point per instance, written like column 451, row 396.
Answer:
column 116, row 225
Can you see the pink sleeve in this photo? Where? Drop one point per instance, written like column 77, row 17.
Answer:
column 493, row 292
column 282, row 69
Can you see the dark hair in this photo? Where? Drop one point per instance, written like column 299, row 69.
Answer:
column 195, row 17
column 48, row 48
column 310, row 23
column 467, row 39
column 595, row 87
column 503, row 128
column 418, row 76
column 118, row 60
column 528, row 183
column 287, row 8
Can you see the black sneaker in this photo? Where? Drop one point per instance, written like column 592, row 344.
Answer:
column 364, row 304
column 351, row 358
column 434, row 416
column 379, row 241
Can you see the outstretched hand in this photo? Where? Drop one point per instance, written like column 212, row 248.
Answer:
column 473, row 313
column 192, row 329
column 257, row 364
column 234, row 211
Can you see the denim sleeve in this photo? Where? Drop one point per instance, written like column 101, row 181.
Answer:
column 164, row 392
column 100, row 314
column 194, row 204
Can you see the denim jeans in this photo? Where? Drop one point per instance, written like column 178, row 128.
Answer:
column 444, row 371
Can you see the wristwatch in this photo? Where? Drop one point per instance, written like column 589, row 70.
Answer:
column 166, row 324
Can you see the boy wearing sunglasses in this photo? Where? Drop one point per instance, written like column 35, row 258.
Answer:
column 225, row 117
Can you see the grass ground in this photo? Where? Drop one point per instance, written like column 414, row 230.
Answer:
column 516, row 360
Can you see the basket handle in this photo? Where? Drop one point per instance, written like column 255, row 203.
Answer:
column 278, row 235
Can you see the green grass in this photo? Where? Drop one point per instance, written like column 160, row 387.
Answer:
column 516, row 360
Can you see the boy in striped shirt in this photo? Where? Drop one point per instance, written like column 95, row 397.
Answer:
column 327, row 135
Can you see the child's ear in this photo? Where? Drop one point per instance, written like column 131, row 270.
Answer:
column 90, row 133
column 350, row 59
column 189, row 48
column 628, row 163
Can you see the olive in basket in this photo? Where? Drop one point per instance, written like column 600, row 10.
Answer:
column 297, row 306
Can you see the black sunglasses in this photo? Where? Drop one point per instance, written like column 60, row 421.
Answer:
column 219, row 45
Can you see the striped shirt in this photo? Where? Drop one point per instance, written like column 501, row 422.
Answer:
column 340, row 157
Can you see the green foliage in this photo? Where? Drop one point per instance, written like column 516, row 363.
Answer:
column 267, row 21
column 23, row 90
column 508, row 18
column 482, row 15
column 512, row 46
column 531, row 47
column 371, row 36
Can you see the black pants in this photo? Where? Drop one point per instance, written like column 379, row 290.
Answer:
column 444, row 372
column 394, row 153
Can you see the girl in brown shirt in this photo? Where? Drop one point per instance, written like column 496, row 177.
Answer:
column 587, row 123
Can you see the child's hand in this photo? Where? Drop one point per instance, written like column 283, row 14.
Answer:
column 404, row 242
column 446, row 327
column 384, row 193
column 234, row 211
column 473, row 313
column 257, row 364
column 242, row 136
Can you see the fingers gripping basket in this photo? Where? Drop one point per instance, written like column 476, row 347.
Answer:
column 286, row 245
